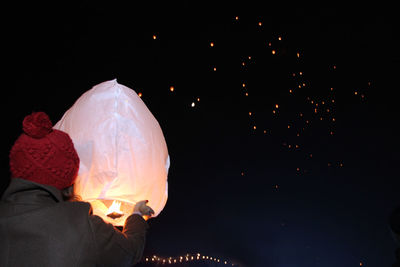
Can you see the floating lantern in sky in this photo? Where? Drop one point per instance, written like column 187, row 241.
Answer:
column 123, row 154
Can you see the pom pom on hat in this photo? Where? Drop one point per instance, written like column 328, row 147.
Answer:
column 44, row 155
column 37, row 125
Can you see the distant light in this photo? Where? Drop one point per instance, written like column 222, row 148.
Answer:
column 212, row 44
column 355, row 92
column 298, row 54
column 249, row 57
column 193, row 104
column 280, row 38
column 236, row 18
column 260, row 23
column 290, row 91
column 254, row 127
column 243, row 85
column 249, row 113
column 215, row 69
column 276, row 106
column 198, row 99
column 154, row 37
column 269, row 44
column 140, row 94
column 247, row 94
column 171, row 88
column 273, row 52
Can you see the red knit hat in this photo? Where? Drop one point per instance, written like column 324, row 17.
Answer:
column 44, row 155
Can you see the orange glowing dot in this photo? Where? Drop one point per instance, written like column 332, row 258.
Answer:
column 265, row 131
column 316, row 104
column 249, row 113
column 320, row 118
column 215, row 69
column 254, row 127
column 154, row 37
column 323, row 103
column 333, row 100
column 260, row 23
column 355, row 93
column 341, row 164
column 333, row 119
column 249, row 57
column 327, row 110
column 243, row 85
column 212, row 44
column 290, row 91
column 307, row 121
column 289, row 146
column 331, row 88
column 334, row 67
column 276, row 105
column 301, row 114
column 273, row 52
column 273, row 111
column 280, row 38
column 315, row 110
column 243, row 63
column 299, row 85
column 297, row 146
column 236, row 18
column 304, row 84
column 312, row 101
column 294, row 74
column 171, row 88
column 140, row 94
column 298, row 54
column 198, row 99
column 361, row 264
column 247, row 94
column 298, row 169
column 288, row 126
column 300, row 73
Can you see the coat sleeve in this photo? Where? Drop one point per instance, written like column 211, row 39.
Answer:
column 116, row 248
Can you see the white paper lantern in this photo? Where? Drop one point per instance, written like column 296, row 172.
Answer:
column 122, row 150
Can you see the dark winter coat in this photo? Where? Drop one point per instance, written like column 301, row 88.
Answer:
column 38, row 228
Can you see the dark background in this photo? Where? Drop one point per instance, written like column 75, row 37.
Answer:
column 235, row 192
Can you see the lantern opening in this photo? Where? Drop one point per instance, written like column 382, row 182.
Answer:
column 114, row 211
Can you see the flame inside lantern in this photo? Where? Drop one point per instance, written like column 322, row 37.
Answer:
column 114, row 211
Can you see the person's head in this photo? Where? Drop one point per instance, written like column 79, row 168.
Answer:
column 44, row 155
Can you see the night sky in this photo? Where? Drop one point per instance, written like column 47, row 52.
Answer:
column 281, row 123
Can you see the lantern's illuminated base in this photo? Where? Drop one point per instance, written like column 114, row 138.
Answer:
column 101, row 206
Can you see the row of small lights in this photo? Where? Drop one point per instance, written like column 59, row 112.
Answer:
column 186, row 258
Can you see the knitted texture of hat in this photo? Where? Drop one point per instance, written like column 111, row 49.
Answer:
column 44, row 155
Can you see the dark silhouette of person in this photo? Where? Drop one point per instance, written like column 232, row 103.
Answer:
column 394, row 222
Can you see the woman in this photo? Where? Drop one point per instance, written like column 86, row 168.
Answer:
column 40, row 227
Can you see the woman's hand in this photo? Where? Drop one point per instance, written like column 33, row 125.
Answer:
column 144, row 210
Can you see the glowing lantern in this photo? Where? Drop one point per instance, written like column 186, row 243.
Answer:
column 123, row 153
